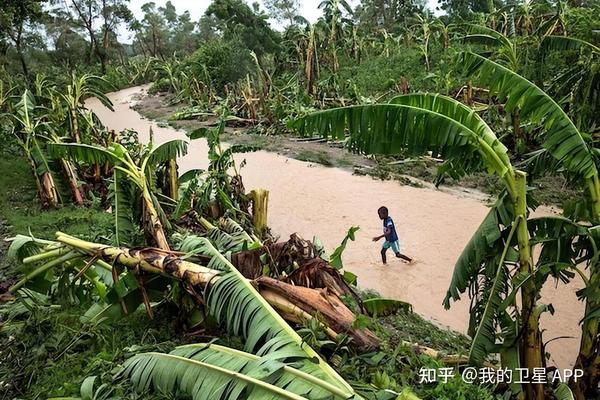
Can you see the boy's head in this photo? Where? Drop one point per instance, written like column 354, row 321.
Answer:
column 383, row 212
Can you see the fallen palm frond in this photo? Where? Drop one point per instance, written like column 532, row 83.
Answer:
column 207, row 370
column 229, row 297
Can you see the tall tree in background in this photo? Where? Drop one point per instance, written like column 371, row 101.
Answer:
column 114, row 12
column 14, row 16
column 238, row 21
column 386, row 14
column 183, row 37
column 283, row 10
column 154, row 27
column 163, row 32
column 462, row 8
column 70, row 47
column 110, row 14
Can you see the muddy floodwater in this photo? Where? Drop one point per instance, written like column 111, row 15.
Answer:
column 433, row 225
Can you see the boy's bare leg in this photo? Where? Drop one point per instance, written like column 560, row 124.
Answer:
column 383, row 258
column 405, row 258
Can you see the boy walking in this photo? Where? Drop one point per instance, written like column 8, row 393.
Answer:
column 391, row 237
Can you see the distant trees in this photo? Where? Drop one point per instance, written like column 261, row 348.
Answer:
column 386, row 14
column 283, row 10
column 15, row 15
column 88, row 14
column 238, row 21
column 462, row 8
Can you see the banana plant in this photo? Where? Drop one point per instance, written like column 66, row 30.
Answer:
column 48, row 111
column 28, row 130
column 419, row 123
column 580, row 81
column 78, row 89
column 134, row 181
column 508, row 54
column 332, row 15
column 555, row 22
column 215, row 191
column 444, row 30
column 564, row 151
column 6, row 89
column 424, row 26
column 311, row 64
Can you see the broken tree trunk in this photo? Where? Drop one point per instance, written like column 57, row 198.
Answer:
column 173, row 179
column 316, row 273
column 71, row 178
column 260, row 205
column 334, row 314
column 296, row 304
column 312, row 272
column 49, row 190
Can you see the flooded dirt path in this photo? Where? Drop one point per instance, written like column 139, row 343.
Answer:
column 433, row 225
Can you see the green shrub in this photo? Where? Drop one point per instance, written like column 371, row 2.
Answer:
column 225, row 62
column 161, row 85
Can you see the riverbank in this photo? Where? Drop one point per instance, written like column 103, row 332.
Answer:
column 311, row 199
column 48, row 350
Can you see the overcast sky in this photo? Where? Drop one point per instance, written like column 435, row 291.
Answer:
column 308, row 9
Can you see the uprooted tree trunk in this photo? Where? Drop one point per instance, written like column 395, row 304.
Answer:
column 316, row 273
column 335, row 316
column 312, row 272
column 296, row 304
column 281, row 255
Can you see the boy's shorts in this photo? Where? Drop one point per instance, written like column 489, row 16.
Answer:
column 395, row 246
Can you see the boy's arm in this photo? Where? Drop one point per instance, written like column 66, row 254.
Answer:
column 387, row 232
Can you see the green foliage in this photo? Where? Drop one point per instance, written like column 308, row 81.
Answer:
column 205, row 370
column 239, row 22
column 224, row 61
column 561, row 138
column 414, row 125
column 216, row 186
column 61, row 351
column 384, row 307
column 22, row 213
column 336, row 257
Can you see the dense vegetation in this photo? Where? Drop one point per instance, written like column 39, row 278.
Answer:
column 508, row 89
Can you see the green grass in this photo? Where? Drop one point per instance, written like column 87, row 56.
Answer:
column 49, row 351
column 411, row 327
column 21, row 211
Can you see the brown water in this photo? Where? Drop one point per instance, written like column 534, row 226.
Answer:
column 433, row 225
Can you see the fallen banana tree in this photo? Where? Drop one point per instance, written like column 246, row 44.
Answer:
column 229, row 297
column 297, row 262
column 297, row 304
